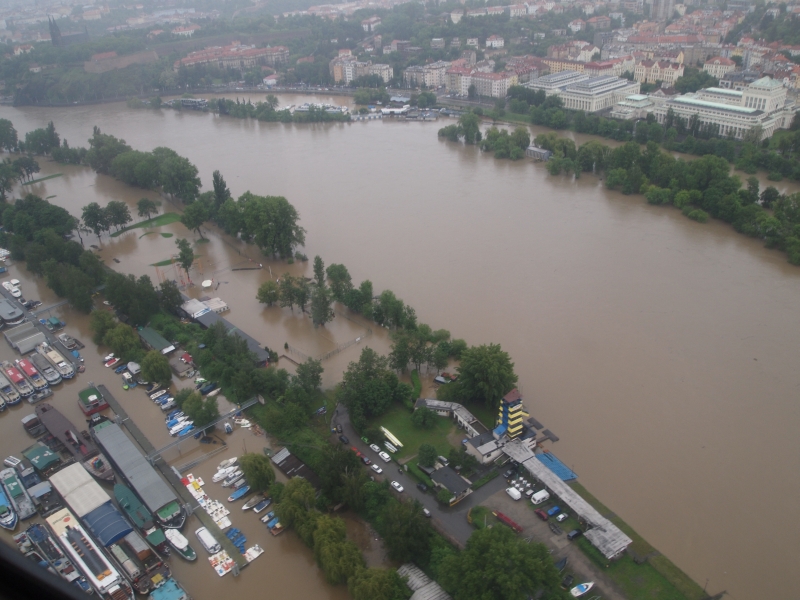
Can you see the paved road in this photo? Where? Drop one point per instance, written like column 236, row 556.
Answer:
column 454, row 520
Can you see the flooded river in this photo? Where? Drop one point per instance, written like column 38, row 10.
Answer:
column 661, row 351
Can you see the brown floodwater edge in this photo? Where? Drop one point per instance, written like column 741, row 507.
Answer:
column 662, row 352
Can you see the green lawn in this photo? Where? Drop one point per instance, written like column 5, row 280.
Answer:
column 162, row 263
column 398, row 420
column 158, row 221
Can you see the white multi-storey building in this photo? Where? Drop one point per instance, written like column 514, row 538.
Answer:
column 762, row 104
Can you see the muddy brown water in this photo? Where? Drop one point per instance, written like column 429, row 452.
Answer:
column 663, row 352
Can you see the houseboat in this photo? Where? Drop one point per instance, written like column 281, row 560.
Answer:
column 44, row 541
column 17, row 379
column 64, row 368
column 87, row 556
column 138, row 474
column 141, row 517
column 91, row 400
column 170, row 591
column 37, row 381
column 9, row 392
column 17, row 494
column 45, row 368
column 80, row 445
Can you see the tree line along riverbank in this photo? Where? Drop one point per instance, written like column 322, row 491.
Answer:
column 700, row 188
column 288, row 412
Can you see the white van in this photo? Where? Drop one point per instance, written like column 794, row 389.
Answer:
column 390, row 447
column 540, row 496
column 514, row 493
column 209, row 543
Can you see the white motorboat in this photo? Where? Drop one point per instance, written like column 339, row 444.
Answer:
column 222, row 474
column 228, row 462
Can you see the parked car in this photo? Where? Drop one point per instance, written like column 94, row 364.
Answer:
column 339, row 428
column 541, row 514
column 375, row 448
column 422, row 487
column 562, row 517
column 574, row 534
column 554, row 511
column 508, row 474
column 426, row 512
column 397, row 486
column 344, row 439
column 376, row 468
column 384, row 457
column 365, row 460
column 567, row 581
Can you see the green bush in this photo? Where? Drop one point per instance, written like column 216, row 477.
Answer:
column 695, row 214
column 485, row 479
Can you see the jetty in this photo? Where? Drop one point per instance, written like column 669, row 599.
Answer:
column 172, row 478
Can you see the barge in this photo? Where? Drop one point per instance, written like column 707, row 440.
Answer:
column 139, row 475
column 45, row 368
column 91, row 400
column 64, row 368
column 141, row 517
column 80, row 445
column 86, row 555
column 140, row 563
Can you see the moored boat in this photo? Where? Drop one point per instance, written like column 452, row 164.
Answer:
column 141, row 517
column 67, row 341
column 581, row 589
column 263, row 505
column 178, row 541
column 253, row 502
column 233, row 478
column 228, row 462
column 64, row 368
column 32, row 425
column 9, row 392
column 41, row 537
column 17, row 379
column 37, row 381
column 45, row 368
column 275, row 526
column 169, row 591
column 8, row 516
column 40, row 395
column 86, row 555
column 17, row 494
column 140, row 562
column 91, row 400
column 3, row 402
column 80, row 445
column 138, row 474
column 240, row 493
column 222, row 474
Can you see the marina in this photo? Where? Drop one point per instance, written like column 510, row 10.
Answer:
column 78, row 444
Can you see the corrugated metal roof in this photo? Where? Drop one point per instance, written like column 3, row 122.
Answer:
column 604, row 535
column 78, row 488
column 137, row 471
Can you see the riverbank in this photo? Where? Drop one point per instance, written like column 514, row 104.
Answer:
column 643, row 380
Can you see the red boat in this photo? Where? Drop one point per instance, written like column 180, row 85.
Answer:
column 37, row 380
column 506, row 521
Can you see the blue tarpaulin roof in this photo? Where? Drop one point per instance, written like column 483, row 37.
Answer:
column 549, row 460
column 107, row 524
